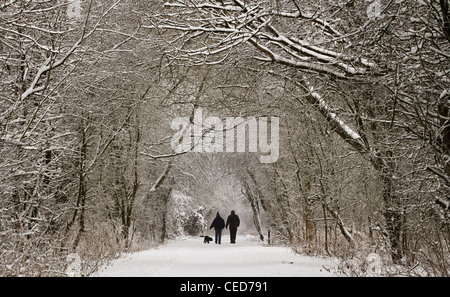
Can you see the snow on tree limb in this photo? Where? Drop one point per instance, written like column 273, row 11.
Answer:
column 317, row 67
column 161, row 178
column 348, row 134
column 339, row 127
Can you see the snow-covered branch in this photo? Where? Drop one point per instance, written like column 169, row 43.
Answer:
column 235, row 22
column 339, row 127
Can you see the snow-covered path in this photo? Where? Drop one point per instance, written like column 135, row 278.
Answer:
column 190, row 257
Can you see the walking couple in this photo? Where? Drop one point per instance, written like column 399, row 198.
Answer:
column 218, row 224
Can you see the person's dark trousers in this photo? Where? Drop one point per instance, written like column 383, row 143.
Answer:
column 218, row 235
column 233, row 232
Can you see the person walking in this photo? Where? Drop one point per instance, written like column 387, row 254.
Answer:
column 218, row 224
column 233, row 222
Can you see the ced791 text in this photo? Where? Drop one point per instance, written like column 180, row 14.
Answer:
column 245, row 286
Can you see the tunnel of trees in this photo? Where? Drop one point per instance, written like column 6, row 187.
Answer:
column 89, row 90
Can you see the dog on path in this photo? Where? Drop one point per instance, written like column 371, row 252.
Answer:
column 207, row 239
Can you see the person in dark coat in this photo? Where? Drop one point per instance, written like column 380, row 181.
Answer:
column 218, row 224
column 233, row 222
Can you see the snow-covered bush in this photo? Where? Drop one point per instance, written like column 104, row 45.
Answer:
column 184, row 216
column 195, row 223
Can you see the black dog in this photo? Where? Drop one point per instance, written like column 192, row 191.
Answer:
column 207, row 239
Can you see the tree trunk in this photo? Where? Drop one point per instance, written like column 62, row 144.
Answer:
column 325, row 229
column 347, row 235
column 128, row 211
column 165, row 199
column 81, row 199
column 310, row 228
column 255, row 209
column 393, row 215
column 445, row 10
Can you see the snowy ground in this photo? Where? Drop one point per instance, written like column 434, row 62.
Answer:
column 191, row 257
